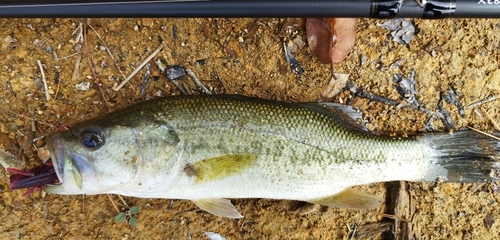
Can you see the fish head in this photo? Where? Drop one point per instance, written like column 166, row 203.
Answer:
column 107, row 156
column 75, row 154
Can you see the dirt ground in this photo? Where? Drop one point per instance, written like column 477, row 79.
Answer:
column 243, row 56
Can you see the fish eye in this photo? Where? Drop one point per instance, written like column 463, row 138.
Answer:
column 92, row 139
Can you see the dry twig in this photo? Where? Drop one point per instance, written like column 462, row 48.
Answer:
column 177, row 85
column 107, row 50
column 113, row 202
column 90, row 59
column 79, row 33
column 197, row 82
column 484, row 133
column 153, row 54
column 44, row 80
column 123, row 200
column 388, row 216
column 61, row 127
column 491, row 119
column 76, row 70
column 488, row 99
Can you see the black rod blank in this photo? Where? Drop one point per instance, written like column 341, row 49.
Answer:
column 428, row 9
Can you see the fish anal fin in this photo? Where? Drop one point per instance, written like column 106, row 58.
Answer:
column 350, row 199
column 219, row 167
column 218, row 206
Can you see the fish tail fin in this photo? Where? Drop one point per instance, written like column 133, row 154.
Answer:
column 464, row 156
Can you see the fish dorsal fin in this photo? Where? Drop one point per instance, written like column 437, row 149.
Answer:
column 345, row 115
column 218, row 206
column 350, row 199
column 219, row 167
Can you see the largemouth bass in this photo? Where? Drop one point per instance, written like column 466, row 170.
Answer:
column 212, row 147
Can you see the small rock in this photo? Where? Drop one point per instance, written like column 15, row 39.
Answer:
column 175, row 72
column 77, row 47
column 363, row 58
column 488, row 221
column 214, row 236
column 433, row 53
column 43, row 154
column 397, row 63
column 402, row 31
column 8, row 160
column 9, row 39
column 146, row 22
column 84, row 86
column 407, row 88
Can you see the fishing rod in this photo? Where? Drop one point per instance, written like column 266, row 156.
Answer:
column 428, row 9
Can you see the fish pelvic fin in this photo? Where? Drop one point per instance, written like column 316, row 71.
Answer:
column 350, row 199
column 218, row 206
column 464, row 156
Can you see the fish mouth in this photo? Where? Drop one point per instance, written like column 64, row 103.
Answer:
column 51, row 176
column 57, row 155
column 50, row 173
column 70, row 167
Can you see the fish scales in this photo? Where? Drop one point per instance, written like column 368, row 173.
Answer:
column 298, row 144
column 291, row 122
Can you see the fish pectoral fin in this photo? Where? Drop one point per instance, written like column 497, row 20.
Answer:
column 218, row 206
column 219, row 167
column 350, row 199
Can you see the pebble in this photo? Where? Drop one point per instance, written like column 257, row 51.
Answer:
column 175, row 72
column 402, row 31
column 84, row 86
column 214, row 236
column 9, row 39
column 433, row 53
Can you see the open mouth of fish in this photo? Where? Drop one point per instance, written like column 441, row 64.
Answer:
column 49, row 173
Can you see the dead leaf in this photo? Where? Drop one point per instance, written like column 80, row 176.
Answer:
column 336, row 84
column 330, row 39
column 319, row 37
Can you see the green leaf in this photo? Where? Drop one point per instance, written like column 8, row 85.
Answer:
column 134, row 210
column 133, row 221
column 120, row 217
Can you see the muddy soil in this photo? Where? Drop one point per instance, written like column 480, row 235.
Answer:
column 239, row 56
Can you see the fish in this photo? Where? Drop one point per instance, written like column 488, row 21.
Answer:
column 211, row 148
